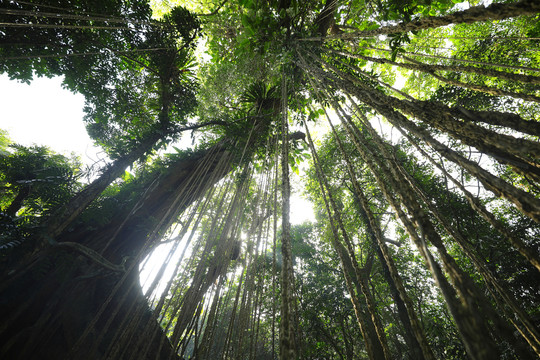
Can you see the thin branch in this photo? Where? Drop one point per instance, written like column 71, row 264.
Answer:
column 197, row 126
column 215, row 11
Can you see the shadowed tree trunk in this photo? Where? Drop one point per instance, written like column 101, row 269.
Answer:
column 468, row 16
column 65, row 215
column 18, row 201
column 417, row 343
column 47, row 309
column 367, row 327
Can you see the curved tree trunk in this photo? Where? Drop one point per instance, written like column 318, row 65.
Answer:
column 518, row 153
column 66, row 300
column 374, row 348
column 17, row 203
column 66, row 214
column 432, row 68
column 526, row 203
column 478, row 13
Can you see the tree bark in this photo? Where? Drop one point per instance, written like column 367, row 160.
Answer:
column 287, row 343
column 471, row 327
column 66, row 214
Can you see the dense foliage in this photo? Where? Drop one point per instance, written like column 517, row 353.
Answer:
column 411, row 126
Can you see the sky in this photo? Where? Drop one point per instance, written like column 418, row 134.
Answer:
column 43, row 113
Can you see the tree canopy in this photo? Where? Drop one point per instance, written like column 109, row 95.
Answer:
column 412, row 127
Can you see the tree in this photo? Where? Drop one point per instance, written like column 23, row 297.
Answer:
column 34, row 181
column 416, row 225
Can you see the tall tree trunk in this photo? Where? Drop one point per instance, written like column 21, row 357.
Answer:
column 17, row 203
column 432, row 68
column 471, row 327
column 524, row 201
column 418, row 343
column 474, row 14
column 47, row 310
column 412, row 332
column 367, row 328
column 287, row 336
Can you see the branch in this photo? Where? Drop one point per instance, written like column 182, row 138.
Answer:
column 394, row 242
column 297, row 135
column 325, row 19
column 197, row 126
column 215, row 11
